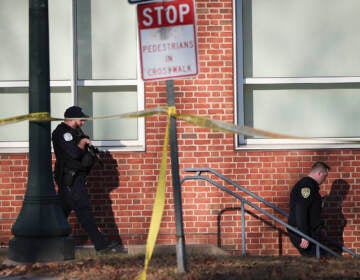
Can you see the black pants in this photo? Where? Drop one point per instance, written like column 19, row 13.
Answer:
column 76, row 198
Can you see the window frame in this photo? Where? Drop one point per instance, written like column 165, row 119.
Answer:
column 73, row 84
column 240, row 81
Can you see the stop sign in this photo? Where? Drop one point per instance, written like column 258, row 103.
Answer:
column 168, row 45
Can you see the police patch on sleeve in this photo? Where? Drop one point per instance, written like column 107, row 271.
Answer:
column 68, row 137
column 305, row 192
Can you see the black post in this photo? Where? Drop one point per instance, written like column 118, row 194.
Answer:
column 41, row 230
column 180, row 237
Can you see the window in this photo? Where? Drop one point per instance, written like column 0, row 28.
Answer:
column 297, row 71
column 93, row 64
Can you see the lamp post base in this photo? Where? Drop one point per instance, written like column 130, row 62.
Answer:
column 41, row 249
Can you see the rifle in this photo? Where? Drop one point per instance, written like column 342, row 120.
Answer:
column 94, row 151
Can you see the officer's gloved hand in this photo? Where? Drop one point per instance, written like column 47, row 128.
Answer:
column 83, row 143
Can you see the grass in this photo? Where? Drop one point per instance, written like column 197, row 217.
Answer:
column 200, row 267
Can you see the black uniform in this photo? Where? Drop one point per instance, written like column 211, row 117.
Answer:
column 305, row 213
column 71, row 168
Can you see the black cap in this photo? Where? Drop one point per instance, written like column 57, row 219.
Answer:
column 74, row 112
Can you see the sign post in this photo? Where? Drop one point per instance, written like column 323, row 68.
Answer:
column 180, row 236
column 168, row 50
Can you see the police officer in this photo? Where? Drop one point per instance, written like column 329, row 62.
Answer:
column 305, row 209
column 74, row 160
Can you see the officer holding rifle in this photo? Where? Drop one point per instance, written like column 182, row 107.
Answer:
column 75, row 156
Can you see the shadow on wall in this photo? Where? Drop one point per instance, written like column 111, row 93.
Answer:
column 333, row 214
column 104, row 178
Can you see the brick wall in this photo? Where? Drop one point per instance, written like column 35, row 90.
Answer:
column 123, row 189
column 210, row 216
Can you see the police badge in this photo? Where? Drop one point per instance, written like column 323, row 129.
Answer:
column 305, row 192
column 68, row 137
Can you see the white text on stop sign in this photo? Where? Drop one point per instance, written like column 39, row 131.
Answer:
column 161, row 15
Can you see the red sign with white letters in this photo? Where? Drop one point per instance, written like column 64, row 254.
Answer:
column 168, row 45
column 165, row 14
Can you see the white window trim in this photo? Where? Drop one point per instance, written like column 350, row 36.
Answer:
column 306, row 143
column 302, row 80
column 138, row 145
column 300, row 144
column 25, row 84
column 14, row 147
column 240, row 81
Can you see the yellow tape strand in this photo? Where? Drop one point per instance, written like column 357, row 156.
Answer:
column 45, row 116
column 159, row 203
column 215, row 125
column 158, row 208
column 39, row 116
column 138, row 114
column 222, row 126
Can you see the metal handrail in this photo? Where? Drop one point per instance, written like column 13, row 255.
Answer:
column 244, row 202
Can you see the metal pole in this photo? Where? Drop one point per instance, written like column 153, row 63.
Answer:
column 41, row 229
column 317, row 251
column 180, row 237
column 243, row 234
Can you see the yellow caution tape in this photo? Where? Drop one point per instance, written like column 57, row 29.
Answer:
column 160, row 192
column 40, row 116
column 45, row 116
column 222, row 126
column 159, row 203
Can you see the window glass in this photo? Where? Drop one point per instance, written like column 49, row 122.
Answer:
column 14, row 33
column 105, row 48
column 106, row 39
column 60, row 39
column 304, row 38
column 307, row 111
column 106, row 101
column 61, row 98
column 14, row 102
column 296, row 39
